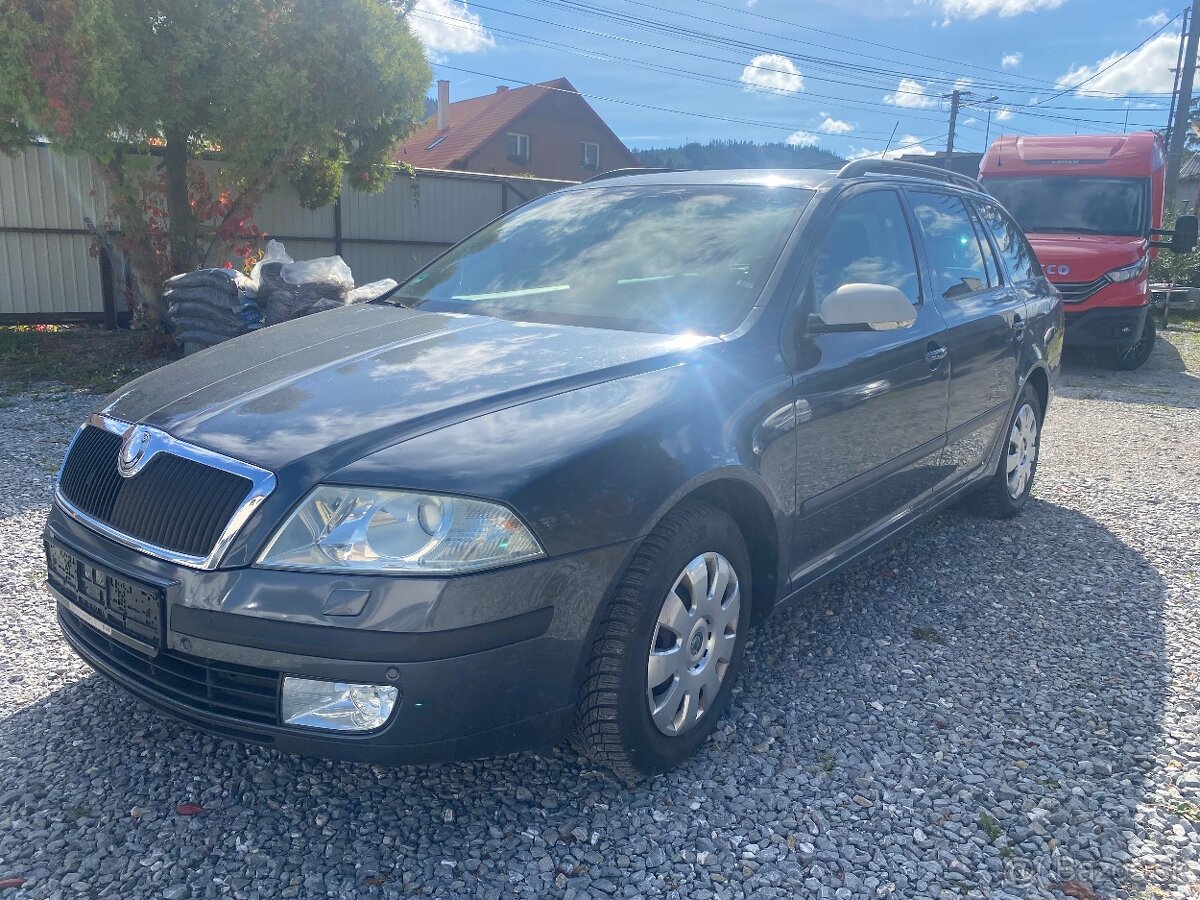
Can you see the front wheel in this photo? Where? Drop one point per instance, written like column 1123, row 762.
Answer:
column 1006, row 492
column 1134, row 355
column 669, row 647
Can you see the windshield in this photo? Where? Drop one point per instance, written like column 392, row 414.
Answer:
column 1074, row 205
column 660, row 258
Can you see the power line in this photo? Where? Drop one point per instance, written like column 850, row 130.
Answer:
column 690, row 34
column 659, row 67
column 1104, row 69
column 856, row 40
column 707, row 41
column 807, row 95
column 682, row 112
column 675, row 30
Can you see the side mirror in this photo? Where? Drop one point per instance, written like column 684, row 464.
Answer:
column 1184, row 238
column 864, row 307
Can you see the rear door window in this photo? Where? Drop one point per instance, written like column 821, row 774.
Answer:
column 1014, row 249
column 867, row 241
column 955, row 255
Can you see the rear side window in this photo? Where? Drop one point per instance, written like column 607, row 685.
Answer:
column 954, row 251
column 1014, row 249
column 867, row 241
column 989, row 254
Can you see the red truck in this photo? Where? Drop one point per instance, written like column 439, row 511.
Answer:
column 1092, row 207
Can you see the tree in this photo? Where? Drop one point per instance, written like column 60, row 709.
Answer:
column 1175, row 268
column 739, row 155
column 308, row 90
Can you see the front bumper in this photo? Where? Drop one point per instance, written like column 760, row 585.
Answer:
column 485, row 664
column 1105, row 326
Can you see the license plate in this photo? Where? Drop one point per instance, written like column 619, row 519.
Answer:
column 121, row 607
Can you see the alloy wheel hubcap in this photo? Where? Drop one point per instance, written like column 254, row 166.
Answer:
column 692, row 646
column 1022, row 451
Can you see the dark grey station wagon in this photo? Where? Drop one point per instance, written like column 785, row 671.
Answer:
column 550, row 483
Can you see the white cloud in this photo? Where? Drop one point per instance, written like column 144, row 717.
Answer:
column 1011, row 60
column 910, row 94
column 974, row 9
column 830, row 125
column 1003, row 114
column 970, row 121
column 1158, row 20
column 447, row 26
column 908, row 144
column 1145, row 71
column 962, row 84
column 773, row 72
column 802, row 139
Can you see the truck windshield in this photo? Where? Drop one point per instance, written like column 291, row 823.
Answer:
column 1076, row 205
column 659, row 258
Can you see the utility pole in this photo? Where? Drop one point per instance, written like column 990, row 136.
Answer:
column 955, row 98
column 1178, row 70
column 1183, row 105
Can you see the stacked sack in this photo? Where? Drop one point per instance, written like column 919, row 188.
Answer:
column 209, row 306
column 213, row 305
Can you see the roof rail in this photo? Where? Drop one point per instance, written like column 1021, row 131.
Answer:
column 621, row 173
column 859, row 167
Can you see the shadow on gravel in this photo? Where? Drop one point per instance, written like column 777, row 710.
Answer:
column 976, row 707
column 1164, row 380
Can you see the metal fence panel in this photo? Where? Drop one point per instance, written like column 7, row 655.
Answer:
column 47, row 274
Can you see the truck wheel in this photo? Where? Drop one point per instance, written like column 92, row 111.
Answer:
column 1135, row 355
column 668, row 651
column 1004, row 494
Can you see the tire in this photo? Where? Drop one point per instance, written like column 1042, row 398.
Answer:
column 1002, row 497
column 615, row 725
column 1133, row 356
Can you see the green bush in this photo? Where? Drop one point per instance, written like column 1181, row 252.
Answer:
column 1175, row 268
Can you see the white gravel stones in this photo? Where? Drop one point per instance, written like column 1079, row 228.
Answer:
column 987, row 709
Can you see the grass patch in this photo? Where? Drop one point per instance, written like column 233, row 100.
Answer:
column 929, row 634
column 990, row 827
column 1183, row 808
column 89, row 358
column 826, row 762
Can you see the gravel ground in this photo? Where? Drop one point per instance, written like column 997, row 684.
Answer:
column 986, row 709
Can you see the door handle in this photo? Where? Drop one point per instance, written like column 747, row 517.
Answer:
column 934, row 354
column 1018, row 328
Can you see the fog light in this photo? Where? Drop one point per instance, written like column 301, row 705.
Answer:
column 336, row 705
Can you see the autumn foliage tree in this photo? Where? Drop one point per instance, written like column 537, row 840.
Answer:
column 306, row 90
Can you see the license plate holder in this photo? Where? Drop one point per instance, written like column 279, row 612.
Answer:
column 120, row 607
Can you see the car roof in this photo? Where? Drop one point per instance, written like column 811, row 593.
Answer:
column 810, row 179
column 798, row 178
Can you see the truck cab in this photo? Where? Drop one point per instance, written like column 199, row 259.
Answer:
column 1092, row 207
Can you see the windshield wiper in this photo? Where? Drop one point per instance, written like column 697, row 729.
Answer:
column 1064, row 229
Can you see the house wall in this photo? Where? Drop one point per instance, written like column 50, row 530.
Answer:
column 48, row 274
column 556, row 126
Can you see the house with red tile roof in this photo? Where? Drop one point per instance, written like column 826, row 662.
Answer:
column 546, row 130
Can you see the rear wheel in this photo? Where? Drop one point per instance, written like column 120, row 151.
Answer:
column 1006, row 492
column 669, row 648
column 1134, row 355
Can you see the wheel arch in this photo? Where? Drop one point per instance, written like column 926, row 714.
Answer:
column 1039, row 379
column 760, row 530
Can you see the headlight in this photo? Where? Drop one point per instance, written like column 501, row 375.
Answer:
column 1137, row 270
column 397, row 532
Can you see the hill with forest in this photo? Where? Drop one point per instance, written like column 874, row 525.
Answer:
column 738, row 155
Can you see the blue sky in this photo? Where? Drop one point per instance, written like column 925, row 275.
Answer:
column 835, row 74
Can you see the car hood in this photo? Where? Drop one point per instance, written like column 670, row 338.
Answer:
column 1086, row 256
column 324, row 390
